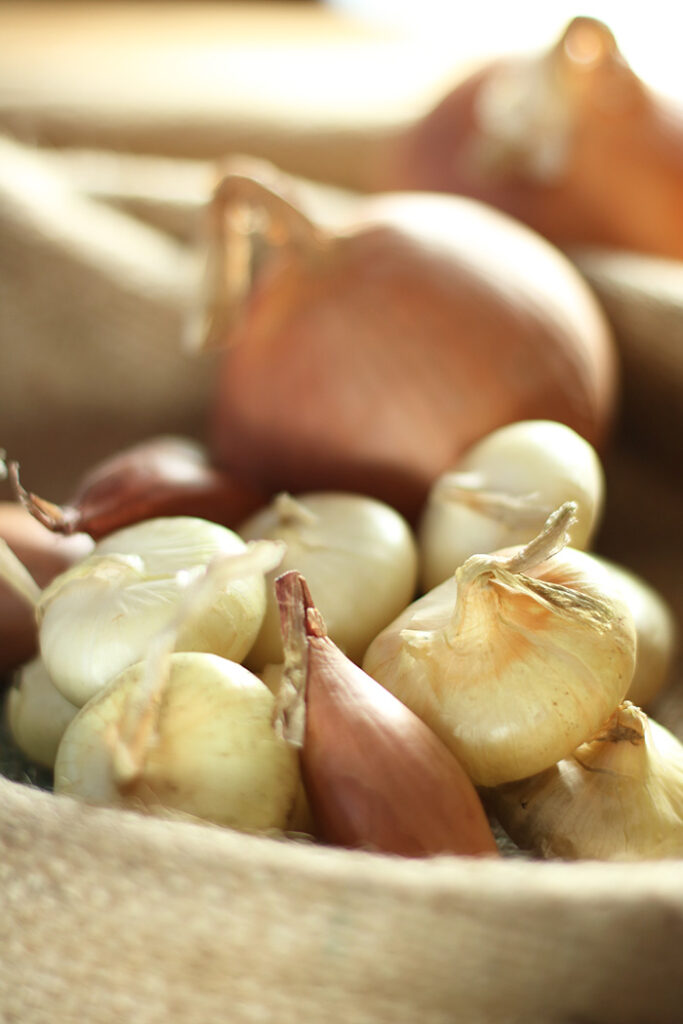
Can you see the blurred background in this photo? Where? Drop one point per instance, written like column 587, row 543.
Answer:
column 89, row 91
column 336, row 62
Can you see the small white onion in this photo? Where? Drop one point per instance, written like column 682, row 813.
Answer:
column 37, row 713
column 619, row 796
column 502, row 491
column 656, row 634
column 359, row 559
column 515, row 660
column 212, row 751
column 99, row 617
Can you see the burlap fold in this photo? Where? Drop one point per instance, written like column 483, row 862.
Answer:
column 93, row 309
column 109, row 916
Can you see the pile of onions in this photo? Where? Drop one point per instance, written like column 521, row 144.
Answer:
column 368, row 356
column 375, row 775
column 572, row 142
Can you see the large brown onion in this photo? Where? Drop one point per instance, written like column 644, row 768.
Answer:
column 368, row 357
column 572, row 142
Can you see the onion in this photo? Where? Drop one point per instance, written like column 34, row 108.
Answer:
column 358, row 556
column 571, row 142
column 516, row 659
column 202, row 744
column 45, row 556
column 502, row 491
column 37, row 713
column 99, row 617
column 376, row 777
column 187, row 732
column 619, row 796
column 656, row 634
column 369, row 357
column 163, row 476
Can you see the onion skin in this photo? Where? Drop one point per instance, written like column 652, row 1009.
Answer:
column 37, row 714
column 656, row 632
column 358, row 556
column 619, row 796
column 376, row 777
column 369, row 360
column 618, row 178
column 502, row 491
column 207, row 747
column 101, row 617
column 45, row 556
column 163, row 476
column 516, row 659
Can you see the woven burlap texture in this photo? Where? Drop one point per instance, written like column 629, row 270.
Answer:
column 110, row 916
column 93, row 311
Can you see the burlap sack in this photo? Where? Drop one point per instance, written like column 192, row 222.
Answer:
column 168, row 193
column 93, row 309
column 110, row 916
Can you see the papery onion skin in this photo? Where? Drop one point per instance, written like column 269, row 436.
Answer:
column 215, row 754
column 370, row 360
column 376, row 777
column 587, row 154
column 45, row 556
column 163, row 476
column 517, row 686
column 100, row 617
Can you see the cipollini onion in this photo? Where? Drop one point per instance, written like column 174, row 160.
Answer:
column 98, row 617
column 186, row 732
column 163, row 476
column 212, row 752
column 619, row 796
column 45, row 556
column 358, row 556
column 515, row 660
column 369, row 357
column 656, row 634
column 376, row 777
column 570, row 141
column 37, row 713
column 503, row 489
